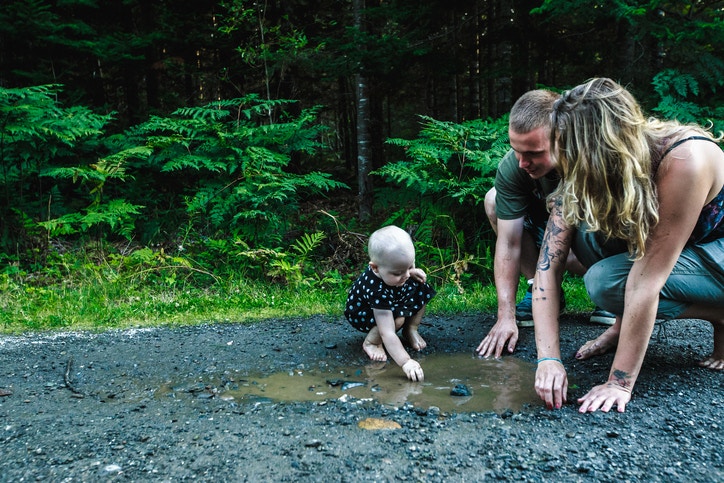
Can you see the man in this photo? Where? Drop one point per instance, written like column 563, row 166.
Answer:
column 516, row 208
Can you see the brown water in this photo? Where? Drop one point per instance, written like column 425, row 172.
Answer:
column 494, row 385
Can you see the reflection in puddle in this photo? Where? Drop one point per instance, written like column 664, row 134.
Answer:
column 493, row 385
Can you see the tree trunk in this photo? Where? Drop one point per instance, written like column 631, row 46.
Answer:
column 364, row 183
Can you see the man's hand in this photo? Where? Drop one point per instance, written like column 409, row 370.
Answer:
column 413, row 370
column 503, row 333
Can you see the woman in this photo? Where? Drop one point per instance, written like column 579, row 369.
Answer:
column 642, row 204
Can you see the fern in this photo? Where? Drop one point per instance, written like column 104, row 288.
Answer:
column 39, row 137
column 306, row 244
column 235, row 163
column 676, row 90
column 441, row 184
column 117, row 214
column 449, row 160
column 288, row 267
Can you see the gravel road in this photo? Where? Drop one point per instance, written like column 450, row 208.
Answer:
column 163, row 405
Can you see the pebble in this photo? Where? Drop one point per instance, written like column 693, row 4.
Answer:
column 112, row 468
column 460, row 390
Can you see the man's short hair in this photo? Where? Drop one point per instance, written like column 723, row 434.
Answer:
column 532, row 110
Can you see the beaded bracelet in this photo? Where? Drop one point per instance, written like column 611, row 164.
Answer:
column 549, row 359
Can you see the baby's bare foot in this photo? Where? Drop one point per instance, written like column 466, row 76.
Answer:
column 413, row 337
column 712, row 362
column 376, row 352
column 603, row 344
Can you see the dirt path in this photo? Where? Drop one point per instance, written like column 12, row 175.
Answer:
column 91, row 407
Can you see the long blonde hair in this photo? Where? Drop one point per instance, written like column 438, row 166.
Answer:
column 605, row 150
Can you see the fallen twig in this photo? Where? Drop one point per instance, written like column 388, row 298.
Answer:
column 66, row 378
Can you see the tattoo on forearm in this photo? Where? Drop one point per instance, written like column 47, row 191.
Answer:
column 550, row 249
column 539, row 292
column 622, row 378
column 554, row 246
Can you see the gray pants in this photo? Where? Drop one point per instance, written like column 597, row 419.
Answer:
column 697, row 277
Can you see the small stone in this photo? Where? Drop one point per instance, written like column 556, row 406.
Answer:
column 352, row 384
column 112, row 469
column 460, row 390
column 377, row 423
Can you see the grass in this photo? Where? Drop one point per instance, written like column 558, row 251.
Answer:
column 101, row 303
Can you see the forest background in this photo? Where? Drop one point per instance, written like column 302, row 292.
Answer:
column 176, row 162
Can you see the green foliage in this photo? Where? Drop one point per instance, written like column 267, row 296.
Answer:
column 116, row 213
column 447, row 171
column 291, row 267
column 36, row 130
column 450, row 161
column 264, row 42
column 234, row 164
column 677, row 45
column 678, row 93
column 39, row 137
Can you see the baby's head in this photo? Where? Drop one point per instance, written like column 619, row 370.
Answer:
column 392, row 255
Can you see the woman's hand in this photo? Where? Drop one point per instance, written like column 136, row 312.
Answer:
column 604, row 397
column 551, row 383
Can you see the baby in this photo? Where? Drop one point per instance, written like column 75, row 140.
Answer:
column 390, row 294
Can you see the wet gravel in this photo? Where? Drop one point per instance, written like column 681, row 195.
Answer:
column 88, row 407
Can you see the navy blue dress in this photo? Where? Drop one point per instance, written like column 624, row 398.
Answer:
column 369, row 292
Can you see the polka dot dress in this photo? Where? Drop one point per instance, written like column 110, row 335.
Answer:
column 369, row 292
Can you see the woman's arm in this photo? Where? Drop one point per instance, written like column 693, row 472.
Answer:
column 551, row 381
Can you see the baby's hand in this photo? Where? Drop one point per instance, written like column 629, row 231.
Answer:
column 413, row 370
column 418, row 275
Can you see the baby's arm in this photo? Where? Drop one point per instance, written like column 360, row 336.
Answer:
column 418, row 274
column 388, row 332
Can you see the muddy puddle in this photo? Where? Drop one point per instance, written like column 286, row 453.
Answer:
column 453, row 383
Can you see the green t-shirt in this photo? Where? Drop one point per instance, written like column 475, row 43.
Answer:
column 518, row 195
